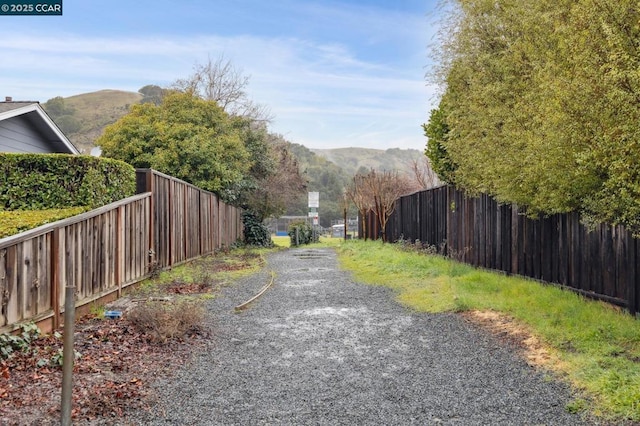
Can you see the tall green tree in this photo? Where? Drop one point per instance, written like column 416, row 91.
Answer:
column 541, row 100
column 436, row 131
column 184, row 136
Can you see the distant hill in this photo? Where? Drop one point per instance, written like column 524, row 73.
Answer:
column 83, row 117
column 353, row 160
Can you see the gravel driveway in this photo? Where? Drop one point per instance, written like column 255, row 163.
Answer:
column 320, row 349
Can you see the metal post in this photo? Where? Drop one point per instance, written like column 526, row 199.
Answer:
column 68, row 354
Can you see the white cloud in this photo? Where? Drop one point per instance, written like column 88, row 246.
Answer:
column 322, row 94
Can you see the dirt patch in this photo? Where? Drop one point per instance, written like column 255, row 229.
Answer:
column 117, row 363
column 115, row 366
column 508, row 329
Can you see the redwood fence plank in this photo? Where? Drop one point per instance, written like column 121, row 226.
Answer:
column 102, row 250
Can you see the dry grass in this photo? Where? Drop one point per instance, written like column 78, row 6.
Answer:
column 161, row 321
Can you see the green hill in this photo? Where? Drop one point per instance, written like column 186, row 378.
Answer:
column 353, row 160
column 83, row 117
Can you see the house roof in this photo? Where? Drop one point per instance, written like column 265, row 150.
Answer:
column 33, row 112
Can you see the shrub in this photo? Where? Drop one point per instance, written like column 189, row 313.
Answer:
column 302, row 233
column 53, row 181
column 255, row 232
column 162, row 321
column 12, row 222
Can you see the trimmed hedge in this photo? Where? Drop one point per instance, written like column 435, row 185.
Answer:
column 14, row 222
column 55, row 181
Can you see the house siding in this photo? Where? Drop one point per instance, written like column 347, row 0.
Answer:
column 17, row 134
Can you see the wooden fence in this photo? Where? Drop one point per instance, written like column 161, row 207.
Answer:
column 107, row 249
column 187, row 221
column 601, row 263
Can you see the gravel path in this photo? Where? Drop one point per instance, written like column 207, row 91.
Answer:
column 320, row 349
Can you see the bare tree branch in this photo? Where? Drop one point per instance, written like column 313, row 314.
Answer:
column 225, row 84
column 423, row 174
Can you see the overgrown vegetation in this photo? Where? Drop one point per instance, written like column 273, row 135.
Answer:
column 56, row 181
column 540, row 105
column 162, row 321
column 591, row 344
column 11, row 343
column 255, row 232
column 161, row 327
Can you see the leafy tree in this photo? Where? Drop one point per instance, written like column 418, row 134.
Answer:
column 152, row 93
column 436, row 130
column 274, row 178
column 56, row 107
column 541, row 101
column 186, row 137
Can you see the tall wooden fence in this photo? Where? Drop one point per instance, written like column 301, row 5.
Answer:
column 107, row 249
column 600, row 263
column 187, row 221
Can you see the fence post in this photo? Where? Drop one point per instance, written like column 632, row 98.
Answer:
column 632, row 287
column 55, row 277
column 119, row 272
column 68, row 354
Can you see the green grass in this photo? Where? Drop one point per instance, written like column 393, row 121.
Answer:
column 595, row 347
column 281, row 241
column 285, row 241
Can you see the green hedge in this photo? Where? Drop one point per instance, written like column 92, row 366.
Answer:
column 14, row 222
column 53, row 181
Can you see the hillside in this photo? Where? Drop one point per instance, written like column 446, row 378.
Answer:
column 83, row 117
column 352, row 160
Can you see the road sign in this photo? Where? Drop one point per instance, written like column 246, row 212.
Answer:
column 314, row 199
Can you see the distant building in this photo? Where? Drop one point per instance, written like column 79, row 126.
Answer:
column 26, row 128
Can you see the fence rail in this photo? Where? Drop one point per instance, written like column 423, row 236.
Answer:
column 109, row 248
column 600, row 263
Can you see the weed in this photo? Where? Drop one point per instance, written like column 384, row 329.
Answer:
column 96, row 310
column 10, row 343
column 576, row 406
column 162, row 321
column 57, row 359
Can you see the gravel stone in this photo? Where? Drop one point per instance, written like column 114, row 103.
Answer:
column 320, row 349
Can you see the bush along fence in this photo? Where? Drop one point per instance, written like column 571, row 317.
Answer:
column 107, row 249
column 601, row 263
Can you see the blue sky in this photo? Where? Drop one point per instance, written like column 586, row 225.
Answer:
column 333, row 73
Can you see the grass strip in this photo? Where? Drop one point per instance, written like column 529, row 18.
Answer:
column 595, row 346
